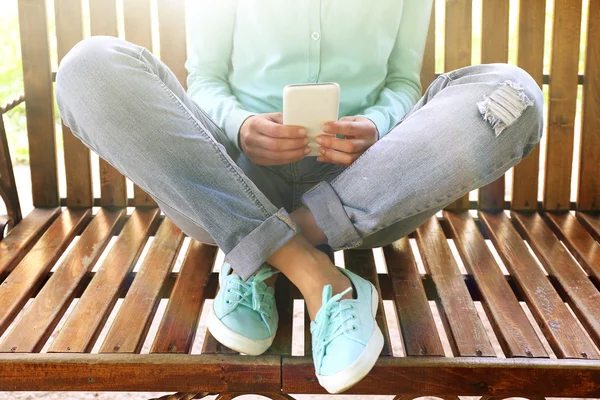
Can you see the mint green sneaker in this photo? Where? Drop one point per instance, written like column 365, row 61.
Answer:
column 244, row 316
column 346, row 340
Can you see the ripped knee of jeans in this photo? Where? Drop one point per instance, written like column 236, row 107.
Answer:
column 504, row 106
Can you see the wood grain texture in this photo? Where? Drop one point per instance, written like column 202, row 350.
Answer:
column 582, row 295
column 494, row 49
column 113, row 188
column 23, row 236
column 82, row 327
column 428, row 67
column 139, row 372
column 475, row 376
column 39, row 109
column 458, row 54
column 137, row 18
column 419, row 332
column 464, row 328
column 588, row 196
column 564, row 67
column 559, row 326
column 578, row 240
column 171, row 28
column 78, row 164
column 591, row 222
column 513, row 330
column 178, row 326
column 28, row 274
column 530, row 57
column 128, row 331
column 39, row 320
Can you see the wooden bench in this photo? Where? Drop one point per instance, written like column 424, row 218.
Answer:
column 515, row 283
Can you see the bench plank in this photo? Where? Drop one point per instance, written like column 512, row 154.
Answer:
column 457, row 53
column 85, row 322
column 465, row 330
column 29, row 273
column 419, row 332
column 515, row 334
column 39, row 106
column 362, row 263
column 559, row 326
column 128, row 331
column 137, row 17
column 39, row 320
column 78, row 162
column 581, row 293
column 171, row 22
column 590, row 222
column 494, row 49
column 579, row 241
column 564, row 71
column 530, row 57
column 588, row 197
column 428, row 66
column 178, row 327
column 113, row 187
column 23, row 236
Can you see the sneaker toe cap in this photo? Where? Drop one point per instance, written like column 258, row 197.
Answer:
column 249, row 324
column 340, row 354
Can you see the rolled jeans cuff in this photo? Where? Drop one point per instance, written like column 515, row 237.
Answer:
column 331, row 217
column 248, row 256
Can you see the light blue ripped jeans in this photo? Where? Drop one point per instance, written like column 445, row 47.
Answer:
column 469, row 128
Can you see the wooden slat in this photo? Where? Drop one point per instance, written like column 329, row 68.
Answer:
column 178, row 327
column 85, row 322
column 588, row 197
column 559, row 326
column 579, row 241
column 137, row 18
column 494, row 49
column 23, row 236
column 28, row 274
column 171, row 28
column 362, row 263
column 458, row 53
column 465, row 330
column 282, row 344
column 530, row 57
column 78, row 165
column 37, row 81
column 591, row 223
column 128, row 331
column 515, row 334
column 564, row 67
column 582, row 295
column 492, row 378
column 140, row 373
column 428, row 67
column 113, row 188
column 39, row 320
column 415, row 319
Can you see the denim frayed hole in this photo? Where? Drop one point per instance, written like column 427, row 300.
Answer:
column 504, row 106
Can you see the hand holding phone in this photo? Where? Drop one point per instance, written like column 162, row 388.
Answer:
column 310, row 106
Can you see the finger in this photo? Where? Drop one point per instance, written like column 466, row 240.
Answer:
column 282, row 157
column 338, row 157
column 276, row 117
column 276, row 130
column 345, row 145
column 276, row 144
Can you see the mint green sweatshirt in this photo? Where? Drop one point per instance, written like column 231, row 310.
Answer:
column 243, row 52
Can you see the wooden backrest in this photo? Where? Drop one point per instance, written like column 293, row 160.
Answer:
column 563, row 82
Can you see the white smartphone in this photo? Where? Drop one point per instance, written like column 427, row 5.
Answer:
column 310, row 106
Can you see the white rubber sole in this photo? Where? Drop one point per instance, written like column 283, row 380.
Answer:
column 234, row 340
column 352, row 374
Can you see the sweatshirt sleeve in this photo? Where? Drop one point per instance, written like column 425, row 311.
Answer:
column 211, row 25
column 402, row 88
